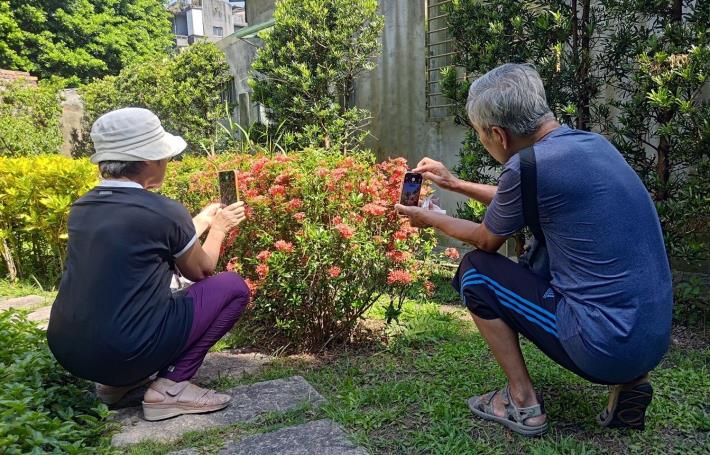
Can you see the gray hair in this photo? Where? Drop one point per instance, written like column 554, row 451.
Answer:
column 510, row 96
column 120, row 169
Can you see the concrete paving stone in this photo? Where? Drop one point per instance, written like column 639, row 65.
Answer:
column 248, row 403
column 40, row 315
column 322, row 437
column 21, row 303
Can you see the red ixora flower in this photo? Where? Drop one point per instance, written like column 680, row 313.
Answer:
column 429, row 288
column 334, row 271
column 399, row 277
column 400, row 235
column 299, row 217
column 262, row 270
column 397, row 256
column 251, row 285
column 452, row 253
column 282, row 245
column 277, row 190
column 231, row 265
column 264, row 255
column 345, row 230
column 294, row 204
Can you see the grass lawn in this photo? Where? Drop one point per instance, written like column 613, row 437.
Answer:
column 10, row 290
column 408, row 395
column 405, row 390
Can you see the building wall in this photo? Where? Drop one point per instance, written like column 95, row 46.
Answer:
column 240, row 54
column 217, row 13
column 395, row 94
column 259, row 11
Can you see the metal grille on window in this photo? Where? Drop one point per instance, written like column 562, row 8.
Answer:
column 440, row 53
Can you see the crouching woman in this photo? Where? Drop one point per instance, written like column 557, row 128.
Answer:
column 115, row 320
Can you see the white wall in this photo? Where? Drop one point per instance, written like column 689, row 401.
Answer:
column 194, row 22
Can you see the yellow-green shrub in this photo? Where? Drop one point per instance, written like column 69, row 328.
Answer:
column 35, row 197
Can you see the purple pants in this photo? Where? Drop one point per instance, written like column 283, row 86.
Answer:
column 218, row 303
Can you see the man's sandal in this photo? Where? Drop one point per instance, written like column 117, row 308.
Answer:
column 628, row 407
column 515, row 417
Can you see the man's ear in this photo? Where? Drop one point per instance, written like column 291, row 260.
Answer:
column 500, row 136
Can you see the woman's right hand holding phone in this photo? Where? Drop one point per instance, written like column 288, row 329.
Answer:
column 437, row 173
column 228, row 218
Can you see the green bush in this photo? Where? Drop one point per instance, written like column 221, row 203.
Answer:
column 43, row 408
column 305, row 73
column 184, row 90
column 35, row 198
column 29, row 119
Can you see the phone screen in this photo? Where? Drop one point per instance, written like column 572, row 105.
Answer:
column 411, row 187
column 227, row 188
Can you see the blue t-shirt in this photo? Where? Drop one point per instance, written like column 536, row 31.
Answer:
column 607, row 257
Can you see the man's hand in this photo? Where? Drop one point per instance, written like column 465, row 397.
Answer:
column 437, row 173
column 416, row 215
column 229, row 217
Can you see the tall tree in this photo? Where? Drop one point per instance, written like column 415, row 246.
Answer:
column 185, row 90
column 305, row 72
column 81, row 39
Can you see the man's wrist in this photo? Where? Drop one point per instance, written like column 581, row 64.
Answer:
column 455, row 184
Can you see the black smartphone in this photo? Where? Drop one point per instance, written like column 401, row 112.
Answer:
column 411, row 186
column 228, row 188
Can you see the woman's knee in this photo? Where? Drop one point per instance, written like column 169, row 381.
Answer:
column 236, row 286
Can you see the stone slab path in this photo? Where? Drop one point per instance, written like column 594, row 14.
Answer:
column 249, row 402
column 23, row 303
column 40, row 307
column 322, row 437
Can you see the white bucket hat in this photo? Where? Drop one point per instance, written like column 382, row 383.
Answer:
column 133, row 134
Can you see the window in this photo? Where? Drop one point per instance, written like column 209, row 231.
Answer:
column 440, row 54
column 217, row 31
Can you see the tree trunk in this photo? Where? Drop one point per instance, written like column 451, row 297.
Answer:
column 7, row 255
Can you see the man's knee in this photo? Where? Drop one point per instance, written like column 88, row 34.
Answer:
column 479, row 306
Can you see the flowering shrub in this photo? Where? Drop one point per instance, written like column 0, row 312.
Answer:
column 321, row 242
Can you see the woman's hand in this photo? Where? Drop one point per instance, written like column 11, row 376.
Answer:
column 203, row 220
column 437, row 173
column 229, row 217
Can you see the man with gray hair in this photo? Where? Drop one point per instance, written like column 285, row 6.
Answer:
column 602, row 308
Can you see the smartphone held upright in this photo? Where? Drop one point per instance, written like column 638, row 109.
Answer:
column 228, row 192
column 411, row 188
